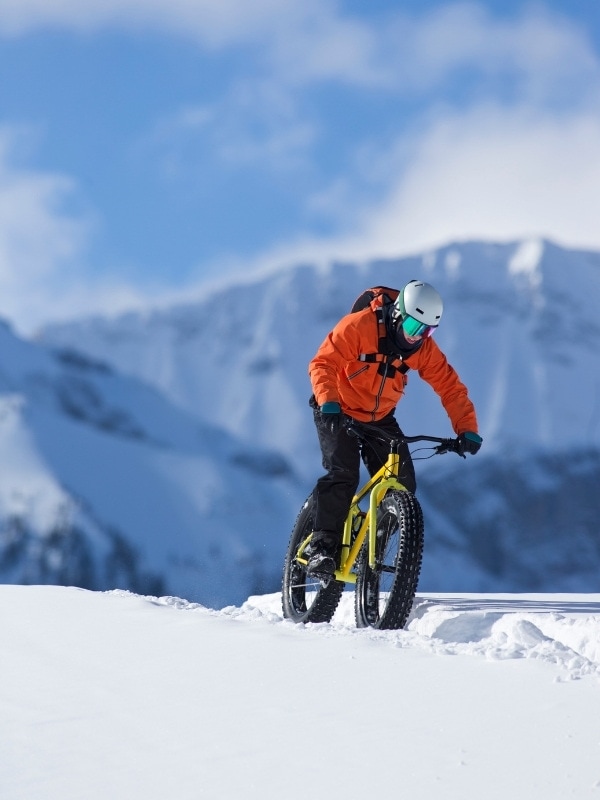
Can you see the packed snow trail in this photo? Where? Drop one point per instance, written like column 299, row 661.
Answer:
column 559, row 629
column 117, row 695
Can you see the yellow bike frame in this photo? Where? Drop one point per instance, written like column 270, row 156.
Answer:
column 383, row 480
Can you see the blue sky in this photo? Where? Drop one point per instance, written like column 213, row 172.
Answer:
column 148, row 147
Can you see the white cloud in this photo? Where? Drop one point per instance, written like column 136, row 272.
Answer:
column 213, row 23
column 312, row 40
column 529, row 166
column 490, row 173
column 505, row 178
column 303, row 39
column 534, row 56
column 526, row 166
column 43, row 246
column 543, row 53
column 255, row 123
column 38, row 237
column 496, row 174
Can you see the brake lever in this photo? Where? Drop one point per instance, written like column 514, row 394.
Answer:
column 449, row 446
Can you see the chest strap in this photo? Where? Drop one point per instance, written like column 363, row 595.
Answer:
column 385, row 361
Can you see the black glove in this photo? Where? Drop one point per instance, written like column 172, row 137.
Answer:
column 331, row 414
column 468, row 442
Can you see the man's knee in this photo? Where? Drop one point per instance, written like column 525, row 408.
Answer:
column 344, row 478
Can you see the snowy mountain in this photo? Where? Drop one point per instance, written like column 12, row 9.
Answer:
column 105, row 483
column 112, row 695
column 520, row 326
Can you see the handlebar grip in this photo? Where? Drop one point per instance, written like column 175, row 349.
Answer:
column 447, row 446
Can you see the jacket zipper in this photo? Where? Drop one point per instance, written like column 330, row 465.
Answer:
column 358, row 371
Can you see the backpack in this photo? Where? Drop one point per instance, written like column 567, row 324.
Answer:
column 363, row 300
column 385, row 357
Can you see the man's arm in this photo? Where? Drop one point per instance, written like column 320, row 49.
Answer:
column 340, row 346
column 433, row 367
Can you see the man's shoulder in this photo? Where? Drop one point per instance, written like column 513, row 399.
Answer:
column 357, row 324
column 428, row 350
column 358, row 319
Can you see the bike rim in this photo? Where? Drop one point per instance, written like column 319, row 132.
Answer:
column 303, row 589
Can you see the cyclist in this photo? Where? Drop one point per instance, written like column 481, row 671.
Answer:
column 359, row 371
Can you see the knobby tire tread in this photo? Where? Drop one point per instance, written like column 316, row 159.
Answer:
column 326, row 598
column 400, row 513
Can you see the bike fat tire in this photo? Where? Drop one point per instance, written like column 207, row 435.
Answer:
column 304, row 598
column 384, row 596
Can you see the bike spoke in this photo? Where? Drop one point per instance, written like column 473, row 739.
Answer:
column 314, row 586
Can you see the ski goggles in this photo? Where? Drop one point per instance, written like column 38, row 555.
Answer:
column 413, row 327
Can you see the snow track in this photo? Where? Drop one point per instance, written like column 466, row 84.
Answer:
column 563, row 630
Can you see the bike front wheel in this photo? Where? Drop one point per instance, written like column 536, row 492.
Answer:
column 384, row 594
column 304, row 597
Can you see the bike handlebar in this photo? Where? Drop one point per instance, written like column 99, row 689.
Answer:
column 444, row 445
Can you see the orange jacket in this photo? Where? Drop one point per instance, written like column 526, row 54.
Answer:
column 369, row 391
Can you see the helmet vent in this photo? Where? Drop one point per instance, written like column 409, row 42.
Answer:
column 420, row 301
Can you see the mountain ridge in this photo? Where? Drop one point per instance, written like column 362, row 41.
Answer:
column 226, row 356
column 105, row 484
column 519, row 326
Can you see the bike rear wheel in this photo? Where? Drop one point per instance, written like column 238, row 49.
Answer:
column 384, row 595
column 305, row 598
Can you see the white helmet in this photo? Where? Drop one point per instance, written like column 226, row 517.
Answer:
column 418, row 308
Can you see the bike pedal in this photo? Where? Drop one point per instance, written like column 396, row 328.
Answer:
column 324, row 578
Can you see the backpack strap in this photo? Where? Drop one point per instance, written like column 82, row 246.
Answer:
column 384, row 357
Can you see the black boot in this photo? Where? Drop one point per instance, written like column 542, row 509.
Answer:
column 321, row 553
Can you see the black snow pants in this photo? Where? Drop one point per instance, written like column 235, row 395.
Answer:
column 341, row 455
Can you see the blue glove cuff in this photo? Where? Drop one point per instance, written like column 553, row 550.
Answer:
column 473, row 437
column 331, row 407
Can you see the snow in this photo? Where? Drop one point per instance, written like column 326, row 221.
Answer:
column 105, row 484
column 124, row 696
column 527, row 259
